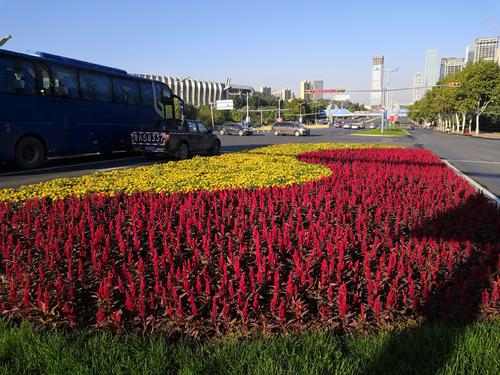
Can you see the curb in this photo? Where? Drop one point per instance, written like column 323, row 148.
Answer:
column 381, row 135
column 474, row 184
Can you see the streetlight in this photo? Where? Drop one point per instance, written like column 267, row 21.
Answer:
column 388, row 71
column 384, row 92
column 5, row 39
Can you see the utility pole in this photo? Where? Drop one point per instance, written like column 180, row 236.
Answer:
column 279, row 107
column 248, row 117
column 212, row 114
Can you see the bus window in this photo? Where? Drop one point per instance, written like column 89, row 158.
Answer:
column 126, row 91
column 96, row 87
column 17, row 77
column 65, row 83
column 44, row 86
column 147, row 93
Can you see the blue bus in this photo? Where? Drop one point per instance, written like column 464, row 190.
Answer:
column 57, row 106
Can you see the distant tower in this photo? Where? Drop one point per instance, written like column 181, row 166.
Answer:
column 318, row 85
column 431, row 73
column 265, row 90
column 418, row 82
column 485, row 49
column 450, row 65
column 305, row 85
column 377, row 80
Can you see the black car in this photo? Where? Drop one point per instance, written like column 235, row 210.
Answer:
column 177, row 138
column 234, row 129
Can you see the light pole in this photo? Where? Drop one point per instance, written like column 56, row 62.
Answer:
column 5, row 39
column 383, row 99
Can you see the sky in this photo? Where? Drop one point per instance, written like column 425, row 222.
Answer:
column 259, row 43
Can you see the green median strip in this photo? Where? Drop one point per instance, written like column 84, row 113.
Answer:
column 386, row 133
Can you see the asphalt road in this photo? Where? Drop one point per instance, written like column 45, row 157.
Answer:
column 479, row 158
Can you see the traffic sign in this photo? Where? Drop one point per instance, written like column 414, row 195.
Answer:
column 224, row 104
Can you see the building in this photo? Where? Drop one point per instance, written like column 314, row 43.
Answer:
column 431, row 73
column 469, row 54
column 418, row 83
column 198, row 92
column 485, row 49
column 318, row 85
column 450, row 65
column 286, row 94
column 305, row 85
column 265, row 90
column 376, row 99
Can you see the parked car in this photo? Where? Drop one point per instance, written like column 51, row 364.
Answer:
column 337, row 125
column 289, row 128
column 354, row 126
column 372, row 126
column 361, row 126
column 177, row 138
column 410, row 127
column 235, row 129
column 347, row 126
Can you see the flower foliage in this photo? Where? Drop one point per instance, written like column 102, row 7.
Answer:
column 274, row 165
column 389, row 235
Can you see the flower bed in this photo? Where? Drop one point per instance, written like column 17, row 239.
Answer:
column 389, row 235
column 274, row 165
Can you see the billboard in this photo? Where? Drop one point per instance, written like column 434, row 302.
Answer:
column 224, row 104
column 341, row 97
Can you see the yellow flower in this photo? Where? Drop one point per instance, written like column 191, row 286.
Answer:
column 274, row 165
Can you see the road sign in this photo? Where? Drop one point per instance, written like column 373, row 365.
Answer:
column 224, row 104
column 342, row 97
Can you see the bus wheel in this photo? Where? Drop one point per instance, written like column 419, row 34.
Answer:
column 30, row 153
column 183, row 151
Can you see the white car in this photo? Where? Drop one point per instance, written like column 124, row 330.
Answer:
column 347, row 126
column 354, row 126
column 372, row 126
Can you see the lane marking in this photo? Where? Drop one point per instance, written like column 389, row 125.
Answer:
column 474, row 161
column 474, row 184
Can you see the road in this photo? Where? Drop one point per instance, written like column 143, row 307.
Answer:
column 479, row 158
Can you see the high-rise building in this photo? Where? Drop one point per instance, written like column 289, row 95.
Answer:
column 318, row 85
column 418, row 82
column 377, row 81
column 305, row 85
column 450, row 65
column 485, row 49
column 431, row 73
column 286, row 94
column 469, row 54
column 265, row 90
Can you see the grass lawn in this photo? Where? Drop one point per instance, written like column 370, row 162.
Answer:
column 435, row 348
column 391, row 132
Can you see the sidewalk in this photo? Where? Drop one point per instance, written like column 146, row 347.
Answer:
column 488, row 135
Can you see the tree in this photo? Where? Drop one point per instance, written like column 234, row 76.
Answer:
column 481, row 87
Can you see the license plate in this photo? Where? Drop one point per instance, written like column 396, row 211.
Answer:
column 151, row 138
